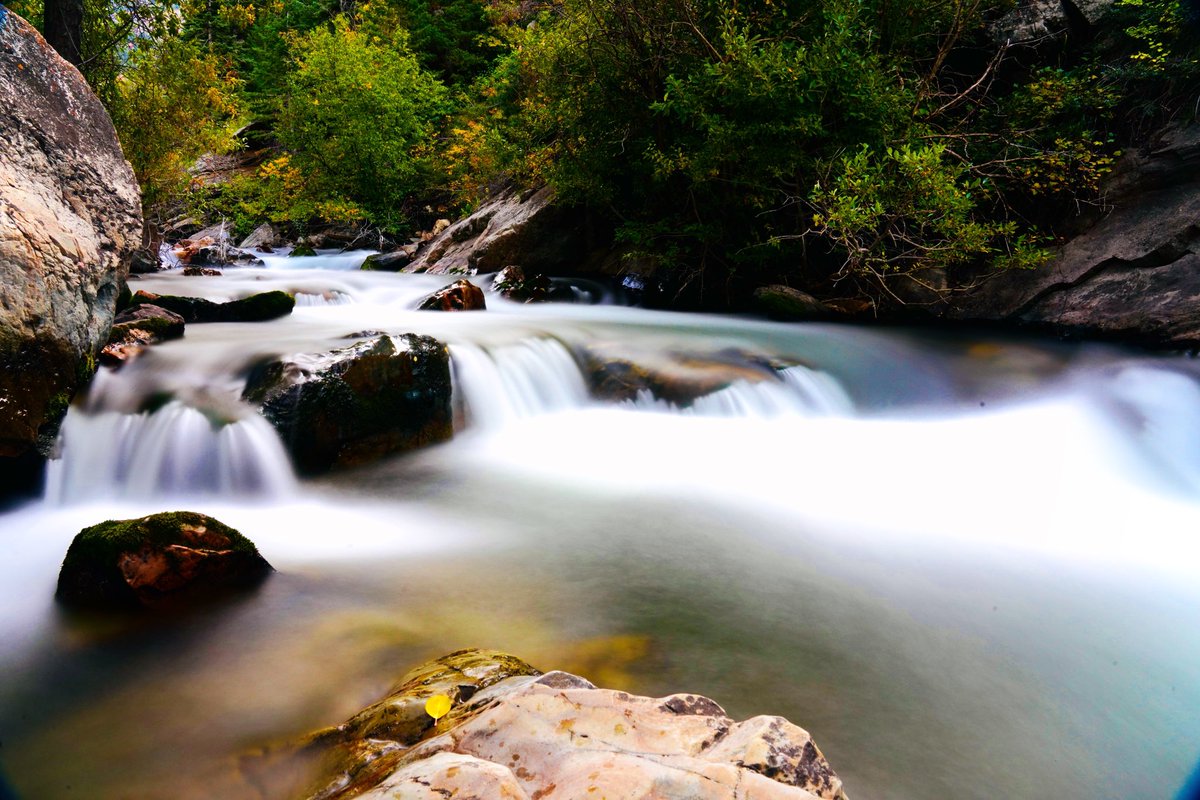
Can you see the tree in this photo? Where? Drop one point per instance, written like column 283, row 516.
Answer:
column 62, row 25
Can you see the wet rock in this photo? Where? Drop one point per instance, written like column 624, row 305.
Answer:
column 70, row 221
column 513, row 732
column 357, row 404
column 458, row 296
column 255, row 308
column 159, row 560
column 144, row 262
column 617, row 372
column 199, row 272
column 513, row 284
column 136, row 328
column 301, row 250
column 785, row 303
column 387, row 262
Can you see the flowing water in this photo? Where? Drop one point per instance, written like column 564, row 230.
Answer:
column 967, row 565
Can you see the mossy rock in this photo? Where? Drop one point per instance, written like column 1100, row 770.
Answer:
column 159, row 560
column 386, row 262
column 355, row 405
column 301, row 250
column 359, row 753
column 255, row 308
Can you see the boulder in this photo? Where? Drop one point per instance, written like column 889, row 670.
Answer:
column 144, row 262
column 264, row 237
column 255, row 308
column 387, row 262
column 458, row 296
column 512, row 732
column 512, row 284
column 357, row 404
column 1035, row 21
column 785, row 303
column 302, row 249
column 70, row 220
column 1134, row 275
column 201, row 272
column 159, row 560
column 136, row 328
column 513, row 227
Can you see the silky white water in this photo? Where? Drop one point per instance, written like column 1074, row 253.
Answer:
column 969, row 567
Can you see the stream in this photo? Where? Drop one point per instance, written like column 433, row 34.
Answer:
column 968, row 564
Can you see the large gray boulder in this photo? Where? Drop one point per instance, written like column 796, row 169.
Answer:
column 1135, row 274
column 70, row 219
column 528, row 228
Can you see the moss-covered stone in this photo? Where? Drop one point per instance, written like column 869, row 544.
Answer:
column 368, row 746
column 155, row 561
column 357, row 404
column 785, row 303
column 255, row 308
column 386, row 262
column 302, row 249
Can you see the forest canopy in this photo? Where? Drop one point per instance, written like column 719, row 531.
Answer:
column 847, row 145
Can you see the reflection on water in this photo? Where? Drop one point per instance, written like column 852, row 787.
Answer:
column 968, row 568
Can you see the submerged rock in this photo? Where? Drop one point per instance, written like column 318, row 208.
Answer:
column 159, row 560
column 70, row 220
column 514, row 732
column 355, row 405
column 255, row 308
column 458, row 296
column 617, row 372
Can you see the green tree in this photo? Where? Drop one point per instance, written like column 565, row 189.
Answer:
column 355, row 114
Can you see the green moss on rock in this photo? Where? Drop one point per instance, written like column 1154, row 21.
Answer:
column 156, row 560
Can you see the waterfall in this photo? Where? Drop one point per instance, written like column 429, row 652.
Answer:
column 511, row 382
column 171, row 451
column 800, row 391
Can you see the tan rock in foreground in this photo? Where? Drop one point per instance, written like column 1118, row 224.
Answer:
column 557, row 737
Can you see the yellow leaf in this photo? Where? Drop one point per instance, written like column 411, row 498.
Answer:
column 437, row 706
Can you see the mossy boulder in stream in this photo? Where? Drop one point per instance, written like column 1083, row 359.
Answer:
column 354, row 405
column 514, row 732
column 255, row 308
column 156, row 561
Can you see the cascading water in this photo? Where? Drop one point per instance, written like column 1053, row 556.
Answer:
column 943, row 558
column 516, row 381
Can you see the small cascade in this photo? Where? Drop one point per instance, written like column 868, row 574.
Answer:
column 172, row 451
column 331, row 297
column 324, row 259
column 800, row 391
column 511, row 382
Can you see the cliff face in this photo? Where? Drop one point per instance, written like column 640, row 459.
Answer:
column 1135, row 274
column 70, row 218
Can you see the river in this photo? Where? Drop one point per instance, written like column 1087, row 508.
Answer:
column 967, row 564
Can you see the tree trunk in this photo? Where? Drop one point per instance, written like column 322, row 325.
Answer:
column 62, row 25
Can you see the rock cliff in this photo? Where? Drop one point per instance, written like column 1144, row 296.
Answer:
column 70, row 219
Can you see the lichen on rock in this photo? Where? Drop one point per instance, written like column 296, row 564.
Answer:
column 514, row 732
